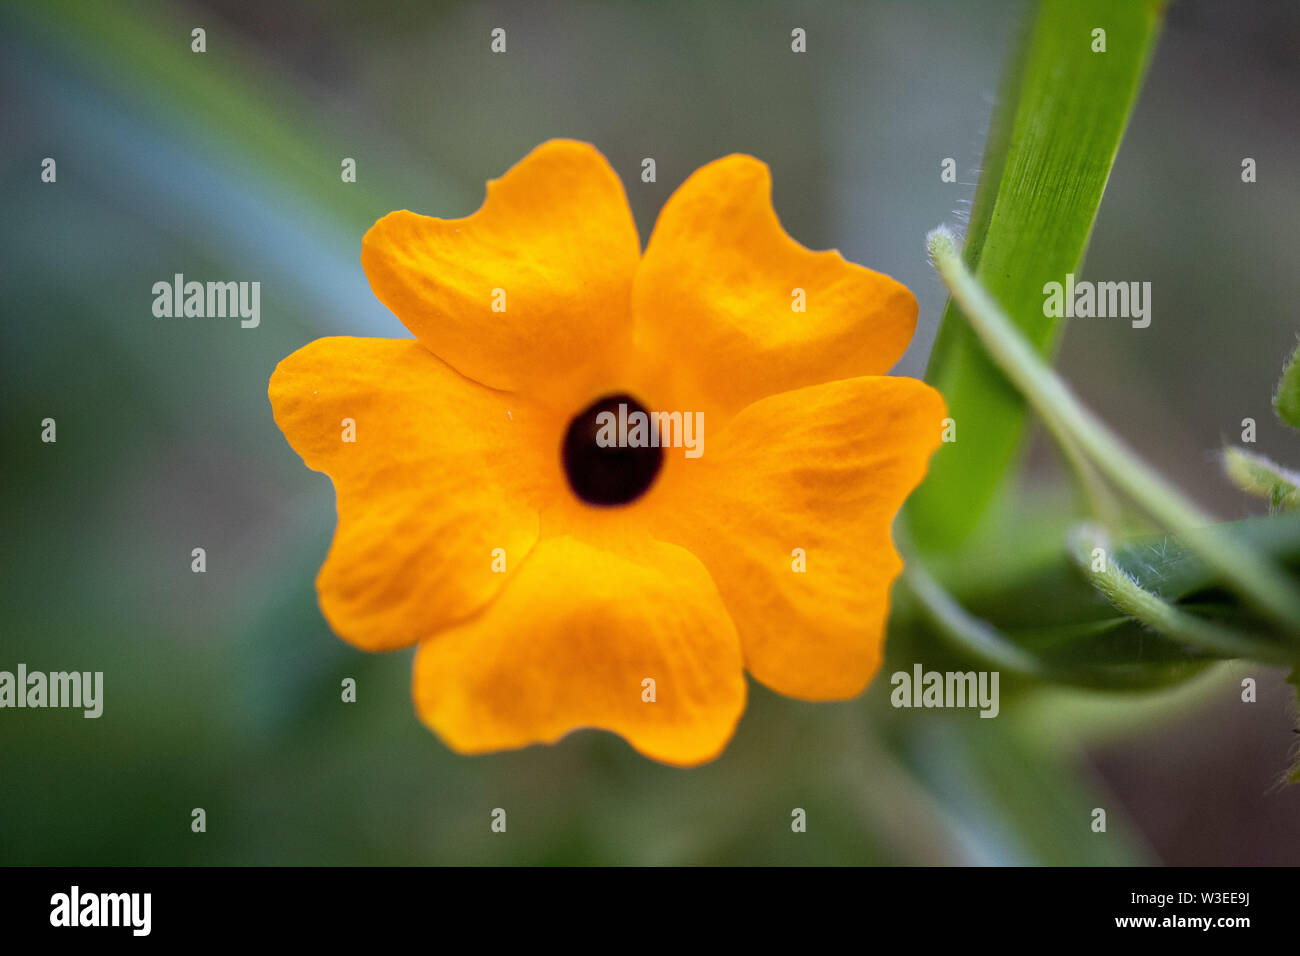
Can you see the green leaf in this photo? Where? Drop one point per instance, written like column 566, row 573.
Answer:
column 1287, row 399
column 1062, row 114
column 1047, row 608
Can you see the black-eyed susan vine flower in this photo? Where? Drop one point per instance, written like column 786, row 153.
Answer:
column 553, row 581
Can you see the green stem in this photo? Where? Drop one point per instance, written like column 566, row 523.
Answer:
column 1101, row 501
column 1126, row 595
column 1255, row 579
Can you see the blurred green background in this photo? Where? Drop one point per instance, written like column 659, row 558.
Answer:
column 222, row 689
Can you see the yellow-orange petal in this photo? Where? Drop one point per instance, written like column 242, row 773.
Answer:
column 571, row 642
column 436, row 479
column 822, row 471
column 720, row 282
column 530, row 290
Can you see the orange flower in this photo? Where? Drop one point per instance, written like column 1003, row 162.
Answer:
column 551, row 581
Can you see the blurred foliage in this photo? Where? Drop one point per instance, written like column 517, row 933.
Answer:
column 1287, row 398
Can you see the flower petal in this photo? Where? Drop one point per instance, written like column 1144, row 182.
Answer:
column 555, row 235
column 568, row 645
column 437, row 478
column 716, row 288
column 822, row 469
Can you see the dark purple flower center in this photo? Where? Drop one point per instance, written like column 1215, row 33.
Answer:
column 602, row 472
